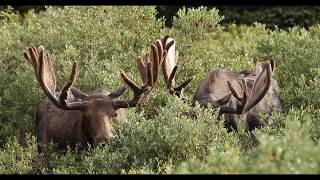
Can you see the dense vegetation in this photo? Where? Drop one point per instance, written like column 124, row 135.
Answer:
column 161, row 137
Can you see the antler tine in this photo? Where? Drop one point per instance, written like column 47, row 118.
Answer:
column 49, row 69
column 169, row 64
column 33, row 57
column 49, row 92
column 167, row 46
column 162, row 57
column 149, row 74
column 135, row 88
column 155, row 58
column 160, row 51
column 171, row 78
column 165, row 53
column 37, row 50
column 64, row 92
column 155, row 62
column 34, row 53
column 142, row 67
column 177, row 90
column 233, row 91
column 260, row 87
column 63, row 98
column 164, row 71
column 140, row 93
column 34, row 64
column 184, row 84
column 164, row 39
column 46, row 78
column 273, row 64
column 246, row 90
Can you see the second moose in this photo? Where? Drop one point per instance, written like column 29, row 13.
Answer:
column 237, row 95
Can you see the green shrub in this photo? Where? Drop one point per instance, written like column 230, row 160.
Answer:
column 167, row 135
column 297, row 71
column 288, row 149
column 15, row 159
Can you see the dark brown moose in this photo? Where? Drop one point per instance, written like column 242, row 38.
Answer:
column 71, row 117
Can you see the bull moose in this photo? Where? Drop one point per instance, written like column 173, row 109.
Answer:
column 70, row 116
column 240, row 95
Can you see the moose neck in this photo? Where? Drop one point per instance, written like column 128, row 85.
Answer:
column 85, row 138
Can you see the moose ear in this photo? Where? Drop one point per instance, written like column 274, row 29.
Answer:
column 118, row 92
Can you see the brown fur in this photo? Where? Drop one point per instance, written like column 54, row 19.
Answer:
column 69, row 127
column 214, row 87
column 72, row 117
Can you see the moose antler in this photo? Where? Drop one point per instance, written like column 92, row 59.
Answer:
column 260, row 87
column 46, row 78
column 149, row 74
column 251, row 96
column 169, row 66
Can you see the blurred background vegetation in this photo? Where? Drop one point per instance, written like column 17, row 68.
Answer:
column 280, row 16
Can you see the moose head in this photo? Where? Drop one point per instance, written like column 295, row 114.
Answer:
column 72, row 116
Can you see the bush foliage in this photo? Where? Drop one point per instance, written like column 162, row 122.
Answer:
column 161, row 137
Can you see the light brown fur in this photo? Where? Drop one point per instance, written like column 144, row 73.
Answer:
column 214, row 87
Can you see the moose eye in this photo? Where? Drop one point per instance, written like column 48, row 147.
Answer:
column 114, row 115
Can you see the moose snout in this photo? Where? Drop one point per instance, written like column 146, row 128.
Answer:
column 108, row 136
